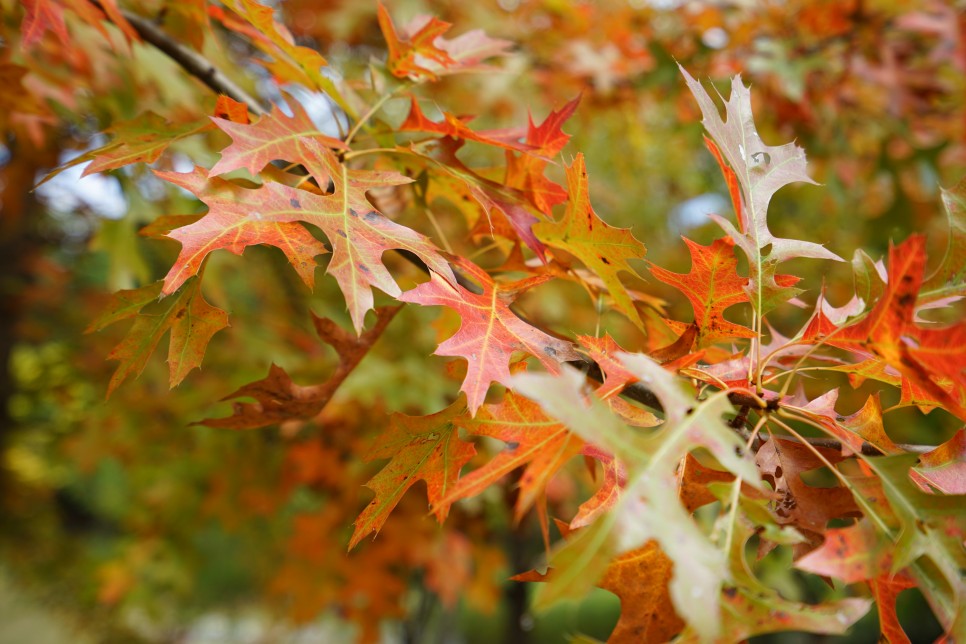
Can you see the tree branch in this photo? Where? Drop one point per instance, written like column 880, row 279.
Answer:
column 191, row 61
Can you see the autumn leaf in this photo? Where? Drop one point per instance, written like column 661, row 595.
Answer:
column 649, row 507
column 608, row 494
column 885, row 590
column 694, row 480
column 533, row 441
column 190, row 319
column 288, row 62
column 426, row 448
column 944, row 467
column 419, row 52
column 925, row 356
column 278, row 399
column 238, row 218
column 458, row 183
column 750, row 607
column 489, row 331
column 821, row 410
column 867, row 424
column 605, row 352
column 457, row 128
column 858, row 552
column 605, row 250
column 229, row 109
column 141, row 140
column 640, row 578
column 39, row 17
column 274, row 213
column 931, row 526
column 783, row 462
column 760, row 170
column 712, row 286
column 274, row 136
column 525, row 172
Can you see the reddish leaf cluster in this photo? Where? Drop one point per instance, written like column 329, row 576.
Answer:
column 700, row 412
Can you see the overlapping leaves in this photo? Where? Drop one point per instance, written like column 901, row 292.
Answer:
column 639, row 525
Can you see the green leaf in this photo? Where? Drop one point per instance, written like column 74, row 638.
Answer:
column 190, row 319
column 931, row 526
column 949, row 278
column 602, row 248
column 650, row 507
column 426, row 448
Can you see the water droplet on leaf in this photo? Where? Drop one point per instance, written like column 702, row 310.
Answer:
column 760, row 158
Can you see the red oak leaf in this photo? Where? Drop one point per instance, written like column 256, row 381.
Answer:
column 273, row 136
column 533, row 440
column 807, row 507
column 190, row 319
column 460, row 184
column 273, row 214
column 278, row 399
column 141, row 140
column 426, row 448
column 456, row 127
column 611, row 486
column 238, row 218
column 944, row 467
column 602, row 248
column 927, row 358
column 525, row 172
column 490, row 332
column 853, row 554
column 419, row 52
column 229, row 109
column 885, row 590
column 712, row 286
column 288, row 62
column 640, row 579
column 755, row 173
column 860, row 553
column 604, row 351
column 39, row 16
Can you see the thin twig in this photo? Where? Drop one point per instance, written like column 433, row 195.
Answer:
column 191, row 61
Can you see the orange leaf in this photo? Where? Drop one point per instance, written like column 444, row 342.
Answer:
column 533, row 440
column 640, row 579
column 426, row 448
column 712, row 286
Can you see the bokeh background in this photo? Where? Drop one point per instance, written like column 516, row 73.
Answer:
column 120, row 521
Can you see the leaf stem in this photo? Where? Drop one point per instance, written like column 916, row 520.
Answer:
column 372, row 111
column 191, row 61
column 354, row 154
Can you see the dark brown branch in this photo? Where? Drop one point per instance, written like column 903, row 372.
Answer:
column 191, row 61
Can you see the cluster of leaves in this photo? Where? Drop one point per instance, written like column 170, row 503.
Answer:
column 708, row 455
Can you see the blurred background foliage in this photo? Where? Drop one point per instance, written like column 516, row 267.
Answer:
column 128, row 523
